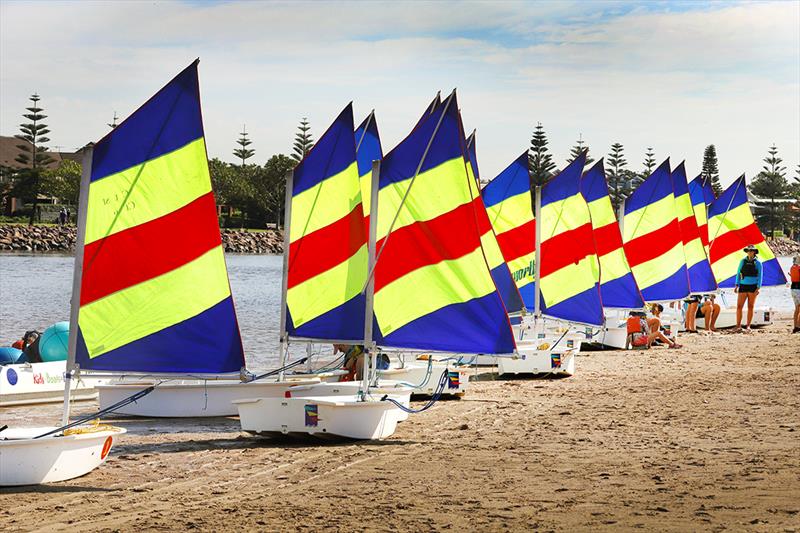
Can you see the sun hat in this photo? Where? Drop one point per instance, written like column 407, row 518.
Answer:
column 750, row 248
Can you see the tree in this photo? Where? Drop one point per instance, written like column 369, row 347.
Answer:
column 243, row 152
column 63, row 182
column 710, row 169
column 616, row 177
column 771, row 184
column 649, row 161
column 33, row 153
column 113, row 124
column 577, row 149
column 302, row 140
column 270, row 186
column 541, row 163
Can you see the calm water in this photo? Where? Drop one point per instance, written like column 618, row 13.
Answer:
column 35, row 292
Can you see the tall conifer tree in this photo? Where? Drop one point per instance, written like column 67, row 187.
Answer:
column 302, row 140
column 33, row 153
column 710, row 169
column 580, row 146
column 771, row 184
column 615, row 174
column 243, row 152
column 541, row 162
column 649, row 161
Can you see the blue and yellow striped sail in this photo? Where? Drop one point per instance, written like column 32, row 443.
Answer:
column 368, row 149
column 501, row 274
column 154, row 293
column 508, row 202
column 568, row 276
column 701, row 279
column 652, row 239
column 328, row 240
column 433, row 288
column 618, row 288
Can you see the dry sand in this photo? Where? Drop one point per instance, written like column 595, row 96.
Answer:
column 701, row 438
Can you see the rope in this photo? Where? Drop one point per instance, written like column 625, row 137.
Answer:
column 101, row 412
column 434, row 397
column 281, row 369
column 425, row 379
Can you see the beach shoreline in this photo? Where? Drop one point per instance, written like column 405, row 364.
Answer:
column 700, row 438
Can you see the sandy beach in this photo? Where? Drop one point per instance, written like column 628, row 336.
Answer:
column 701, row 438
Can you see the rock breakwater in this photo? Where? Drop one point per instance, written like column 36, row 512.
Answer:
column 22, row 238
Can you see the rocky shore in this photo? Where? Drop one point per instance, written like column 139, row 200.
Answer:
column 783, row 246
column 23, row 238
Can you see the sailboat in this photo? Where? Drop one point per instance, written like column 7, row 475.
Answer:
column 35, row 455
column 702, row 195
column 618, row 289
column 731, row 227
column 424, row 288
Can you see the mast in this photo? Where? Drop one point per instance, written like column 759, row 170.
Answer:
column 537, row 212
column 621, row 216
column 77, row 275
column 370, row 351
column 287, row 221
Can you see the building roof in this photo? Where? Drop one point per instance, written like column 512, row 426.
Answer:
column 9, row 153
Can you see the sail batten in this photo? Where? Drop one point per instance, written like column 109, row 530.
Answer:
column 154, row 290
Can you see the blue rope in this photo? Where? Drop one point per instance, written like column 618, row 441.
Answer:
column 279, row 370
column 434, row 397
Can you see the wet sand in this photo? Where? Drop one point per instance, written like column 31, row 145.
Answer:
column 706, row 437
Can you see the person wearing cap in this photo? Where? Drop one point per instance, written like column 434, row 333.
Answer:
column 748, row 283
column 794, row 276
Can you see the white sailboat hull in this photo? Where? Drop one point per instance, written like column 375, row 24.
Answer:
column 539, row 359
column 762, row 316
column 190, row 398
column 323, row 416
column 424, row 381
column 28, row 461
column 33, row 383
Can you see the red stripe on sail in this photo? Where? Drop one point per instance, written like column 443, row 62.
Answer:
column 425, row 243
column 689, row 229
column 735, row 241
column 607, row 239
column 519, row 241
column 156, row 247
column 703, row 234
column 327, row 247
column 653, row 244
column 566, row 249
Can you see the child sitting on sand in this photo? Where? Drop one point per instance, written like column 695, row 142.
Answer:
column 654, row 324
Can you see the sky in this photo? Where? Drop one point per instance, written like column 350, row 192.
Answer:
column 676, row 76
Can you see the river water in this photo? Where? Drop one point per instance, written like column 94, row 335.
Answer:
column 35, row 291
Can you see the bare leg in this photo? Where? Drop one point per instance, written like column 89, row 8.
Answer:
column 714, row 316
column 707, row 312
column 739, row 306
column 691, row 314
column 751, row 304
column 797, row 316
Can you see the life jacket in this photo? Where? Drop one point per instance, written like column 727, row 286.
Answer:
column 634, row 325
column 19, row 345
column 748, row 269
column 794, row 273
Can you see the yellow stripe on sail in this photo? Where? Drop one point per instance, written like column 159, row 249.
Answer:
column 683, row 205
column 148, row 191
column 613, row 265
column 313, row 209
column 153, row 305
column 511, row 213
column 328, row 290
column 726, row 267
column 660, row 268
column 468, row 279
column 602, row 212
column 494, row 257
column 649, row 218
column 564, row 215
column 436, row 191
column 366, row 192
column 735, row 219
column 523, row 270
column 568, row 281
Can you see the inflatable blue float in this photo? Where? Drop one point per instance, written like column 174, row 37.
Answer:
column 53, row 342
column 9, row 355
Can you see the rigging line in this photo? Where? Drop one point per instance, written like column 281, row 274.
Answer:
column 281, row 369
column 370, row 118
column 434, row 397
column 408, row 190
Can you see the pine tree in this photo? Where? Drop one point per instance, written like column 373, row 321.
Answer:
column 577, row 149
column 302, row 140
column 616, row 176
column 33, row 152
column 771, row 184
column 243, row 152
column 541, row 163
column 649, row 161
column 710, row 169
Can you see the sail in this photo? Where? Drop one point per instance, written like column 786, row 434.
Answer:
column 731, row 227
column 435, row 103
column 652, row 239
column 154, row 291
column 433, row 288
column 501, row 274
column 701, row 279
column 508, row 203
column 568, row 277
column 368, row 149
column 618, row 289
column 328, row 240
column 697, row 194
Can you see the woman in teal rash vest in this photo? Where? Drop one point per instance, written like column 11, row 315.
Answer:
column 748, row 283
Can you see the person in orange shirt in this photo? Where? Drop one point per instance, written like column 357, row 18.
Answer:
column 794, row 275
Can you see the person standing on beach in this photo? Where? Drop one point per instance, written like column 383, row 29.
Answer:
column 710, row 312
column 748, row 284
column 794, row 275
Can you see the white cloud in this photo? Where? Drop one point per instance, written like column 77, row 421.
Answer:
column 727, row 74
